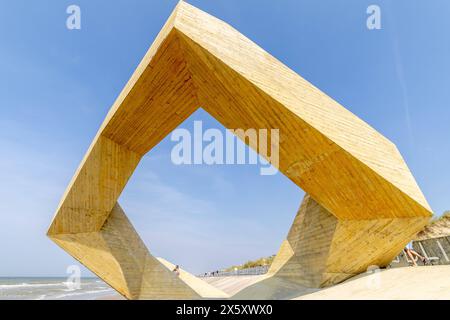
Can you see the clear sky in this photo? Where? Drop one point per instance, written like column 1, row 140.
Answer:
column 56, row 86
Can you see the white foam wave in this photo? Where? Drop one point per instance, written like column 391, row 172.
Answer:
column 30, row 285
column 61, row 296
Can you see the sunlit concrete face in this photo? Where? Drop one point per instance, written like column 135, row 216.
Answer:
column 356, row 180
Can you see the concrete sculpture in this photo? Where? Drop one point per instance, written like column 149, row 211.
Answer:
column 362, row 205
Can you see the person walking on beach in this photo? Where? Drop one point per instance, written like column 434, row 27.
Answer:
column 411, row 253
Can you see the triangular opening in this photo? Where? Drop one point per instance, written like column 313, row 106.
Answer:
column 208, row 217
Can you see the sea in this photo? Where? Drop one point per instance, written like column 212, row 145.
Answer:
column 53, row 289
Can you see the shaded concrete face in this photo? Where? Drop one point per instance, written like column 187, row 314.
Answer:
column 366, row 204
column 303, row 255
column 321, row 250
column 118, row 256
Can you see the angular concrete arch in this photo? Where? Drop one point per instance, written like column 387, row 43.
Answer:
column 356, row 177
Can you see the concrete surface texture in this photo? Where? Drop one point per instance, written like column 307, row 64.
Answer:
column 362, row 205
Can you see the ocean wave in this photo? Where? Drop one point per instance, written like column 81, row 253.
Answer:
column 61, row 296
column 63, row 285
column 30, row 285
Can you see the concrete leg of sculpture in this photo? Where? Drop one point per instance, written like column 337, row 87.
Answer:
column 117, row 255
column 321, row 250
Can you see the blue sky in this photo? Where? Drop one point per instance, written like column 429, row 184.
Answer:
column 56, row 86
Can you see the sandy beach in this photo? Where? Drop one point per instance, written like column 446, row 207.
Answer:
column 409, row 283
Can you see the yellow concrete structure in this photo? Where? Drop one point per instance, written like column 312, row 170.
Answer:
column 322, row 250
column 363, row 204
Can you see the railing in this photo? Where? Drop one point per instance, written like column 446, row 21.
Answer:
column 243, row 272
column 436, row 250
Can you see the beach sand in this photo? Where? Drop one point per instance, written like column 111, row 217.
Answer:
column 409, row 283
